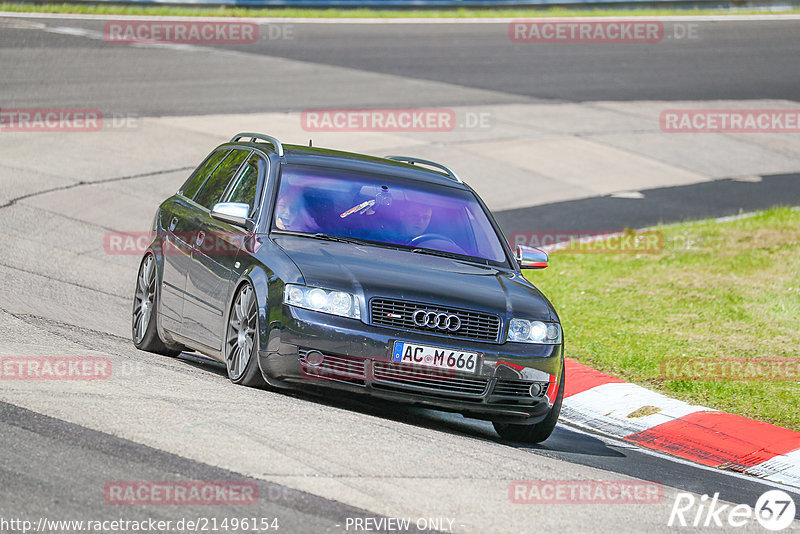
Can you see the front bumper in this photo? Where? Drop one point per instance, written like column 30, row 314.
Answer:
column 357, row 357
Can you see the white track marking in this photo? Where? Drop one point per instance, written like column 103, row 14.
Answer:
column 99, row 36
column 784, row 468
column 633, row 195
column 608, row 407
column 610, row 440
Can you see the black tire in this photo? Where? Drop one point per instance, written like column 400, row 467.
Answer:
column 534, row 433
column 243, row 316
column 147, row 338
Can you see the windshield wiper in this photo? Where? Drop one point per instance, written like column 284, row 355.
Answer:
column 451, row 255
column 340, row 239
column 336, row 238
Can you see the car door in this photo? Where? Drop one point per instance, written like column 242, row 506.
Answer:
column 177, row 215
column 214, row 248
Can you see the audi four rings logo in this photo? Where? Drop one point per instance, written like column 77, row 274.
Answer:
column 432, row 319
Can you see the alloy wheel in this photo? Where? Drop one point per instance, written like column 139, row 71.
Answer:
column 240, row 340
column 144, row 298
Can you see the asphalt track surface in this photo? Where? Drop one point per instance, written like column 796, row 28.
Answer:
column 720, row 61
column 32, row 440
column 608, row 213
column 53, row 465
column 726, row 61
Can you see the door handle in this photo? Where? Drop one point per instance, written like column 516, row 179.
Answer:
column 173, row 223
column 201, row 236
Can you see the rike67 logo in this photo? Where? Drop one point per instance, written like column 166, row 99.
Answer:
column 774, row 510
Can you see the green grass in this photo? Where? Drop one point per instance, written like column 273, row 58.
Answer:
column 104, row 9
column 716, row 290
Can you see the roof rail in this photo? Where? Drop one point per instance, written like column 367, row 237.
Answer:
column 253, row 136
column 411, row 160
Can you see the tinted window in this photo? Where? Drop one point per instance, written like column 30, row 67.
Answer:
column 212, row 190
column 245, row 188
column 386, row 210
column 201, row 173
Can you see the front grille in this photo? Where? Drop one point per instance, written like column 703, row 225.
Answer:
column 441, row 381
column 516, row 388
column 476, row 326
column 334, row 368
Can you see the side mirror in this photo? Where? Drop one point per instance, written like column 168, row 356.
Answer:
column 531, row 257
column 235, row 213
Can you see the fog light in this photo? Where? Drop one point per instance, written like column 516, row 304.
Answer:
column 535, row 390
column 315, row 358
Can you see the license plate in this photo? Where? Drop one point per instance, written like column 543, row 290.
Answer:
column 437, row 357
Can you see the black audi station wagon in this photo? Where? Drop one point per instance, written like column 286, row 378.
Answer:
column 298, row 266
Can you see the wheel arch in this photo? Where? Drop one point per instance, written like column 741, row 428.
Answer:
column 261, row 281
column 158, row 255
column 268, row 289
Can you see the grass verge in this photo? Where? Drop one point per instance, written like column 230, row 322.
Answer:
column 717, row 290
column 286, row 12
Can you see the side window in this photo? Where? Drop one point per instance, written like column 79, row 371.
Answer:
column 212, row 190
column 246, row 188
column 201, row 173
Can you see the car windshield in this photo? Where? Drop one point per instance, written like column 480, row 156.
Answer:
column 380, row 209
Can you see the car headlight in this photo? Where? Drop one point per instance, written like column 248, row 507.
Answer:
column 522, row 331
column 322, row 300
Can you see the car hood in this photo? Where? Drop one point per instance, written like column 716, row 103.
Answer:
column 374, row 271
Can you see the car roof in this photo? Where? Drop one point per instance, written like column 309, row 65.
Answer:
column 339, row 159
